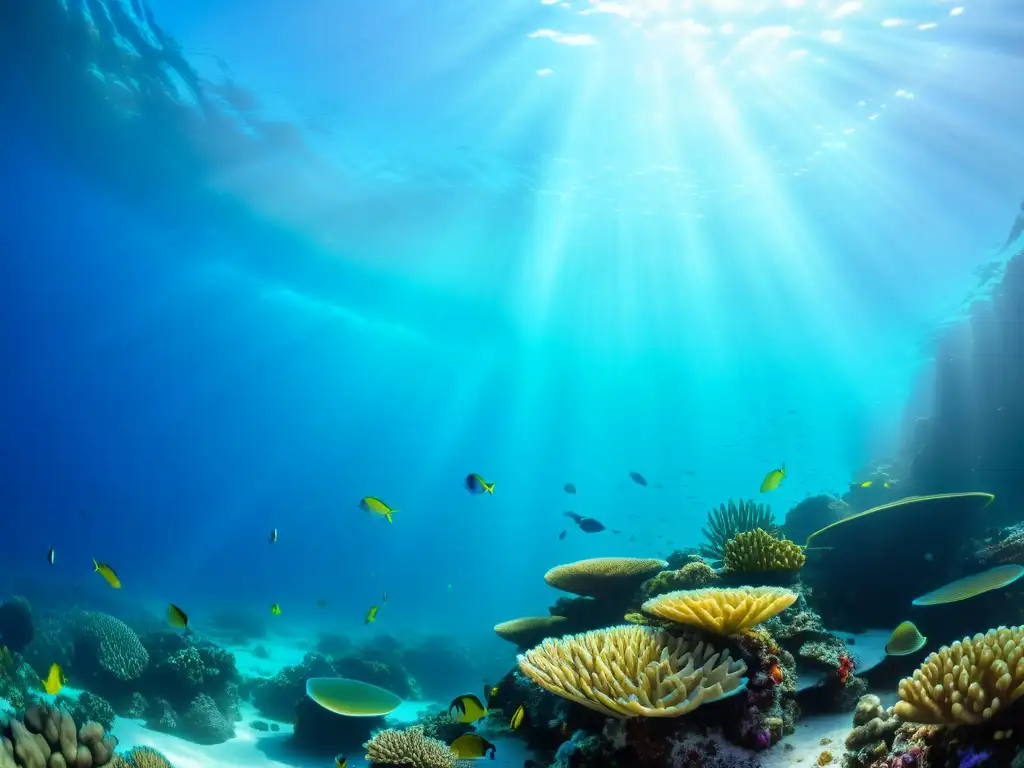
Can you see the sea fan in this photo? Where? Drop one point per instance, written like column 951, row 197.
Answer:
column 726, row 520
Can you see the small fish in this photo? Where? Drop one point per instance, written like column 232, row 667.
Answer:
column 176, row 617
column 773, row 479
column 371, row 615
column 490, row 692
column 517, row 717
column 51, row 555
column 637, row 478
column 321, row 603
column 107, row 573
column 378, row 507
column 54, row 681
column 273, row 536
column 476, row 484
column 569, row 488
column 466, row 709
column 275, row 610
column 340, row 761
column 561, row 535
column 586, row 524
column 887, row 484
column 384, row 598
column 470, row 746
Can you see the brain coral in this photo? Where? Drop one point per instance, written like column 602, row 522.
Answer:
column 409, row 747
column 633, row 671
column 967, row 682
column 118, row 648
column 758, row 551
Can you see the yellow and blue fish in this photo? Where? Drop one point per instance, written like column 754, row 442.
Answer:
column 472, row 746
column 340, row 761
column 773, row 479
column 476, row 484
column 517, row 717
column 176, row 617
column 378, row 507
column 107, row 573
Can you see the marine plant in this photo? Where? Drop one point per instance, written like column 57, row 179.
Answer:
column 729, row 519
column 409, row 747
column 758, row 551
column 633, row 671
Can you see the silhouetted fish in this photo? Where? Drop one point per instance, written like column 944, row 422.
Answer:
column 638, row 478
column 561, row 535
column 586, row 524
column 569, row 488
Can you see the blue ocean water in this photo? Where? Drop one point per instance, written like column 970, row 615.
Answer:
column 264, row 259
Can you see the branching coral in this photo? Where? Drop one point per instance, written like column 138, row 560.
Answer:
column 632, row 671
column 727, row 520
column 758, row 551
column 722, row 611
column 409, row 747
column 967, row 682
column 118, row 648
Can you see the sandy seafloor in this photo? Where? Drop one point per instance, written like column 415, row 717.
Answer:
column 268, row 749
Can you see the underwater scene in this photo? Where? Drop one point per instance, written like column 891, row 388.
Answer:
column 533, row 383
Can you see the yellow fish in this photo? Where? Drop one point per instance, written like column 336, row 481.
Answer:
column 176, row 617
column 371, row 615
column 773, row 479
column 471, row 746
column 54, row 681
column 107, row 573
column 275, row 610
column 466, row 709
column 517, row 717
column 378, row 507
column 867, row 483
column 340, row 761
column 476, row 484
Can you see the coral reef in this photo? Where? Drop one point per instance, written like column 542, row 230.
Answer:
column 45, row 736
column 89, row 707
column 143, row 757
column 113, row 645
column 631, row 671
column 203, row 722
column 529, row 630
column 721, row 611
column 409, row 747
column 758, row 551
column 692, row 575
column 603, row 577
column 729, row 519
column 812, row 514
column 968, row 682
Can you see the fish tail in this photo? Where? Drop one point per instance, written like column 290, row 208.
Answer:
column 489, row 488
column 388, row 516
column 95, row 565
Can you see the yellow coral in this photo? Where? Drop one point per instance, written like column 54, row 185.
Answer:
column 967, row 682
column 600, row 576
column 409, row 747
column 723, row 611
column 632, row 671
column 142, row 757
column 758, row 551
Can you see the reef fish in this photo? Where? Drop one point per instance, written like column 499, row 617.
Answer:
column 562, row 535
column 273, row 536
column 637, row 478
column 569, row 488
column 275, row 610
column 476, row 484
column 107, row 573
column 371, row 615
column 378, row 507
column 466, row 709
column 472, row 746
column 973, row 585
column 54, row 680
column 51, row 555
column 176, row 617
column 340, row 761
column 905, row 640
column 586, row 524
column 773, row 479
column 517, row 717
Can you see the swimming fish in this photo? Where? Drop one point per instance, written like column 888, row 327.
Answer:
column 586, row 524
column 638, row 478
column 476, row 484
column 176, row 617
column 490, row 692
column 466, row 709
column 561, row 535
column 50, row 556
column 371, row 615
column 569, row 488
column 384, row 598
column 865, row 484
column 275, row 610
column 378, row 507
column 773, row 479
column 905, row 640
column 54, row 681
column 273, row 536
column 107, row 573
column 517, row 717
column 470, row 746
column 340, row 761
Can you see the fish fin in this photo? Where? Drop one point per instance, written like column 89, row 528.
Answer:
column 490, row 488
column 95, row 564
column 388, row 516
